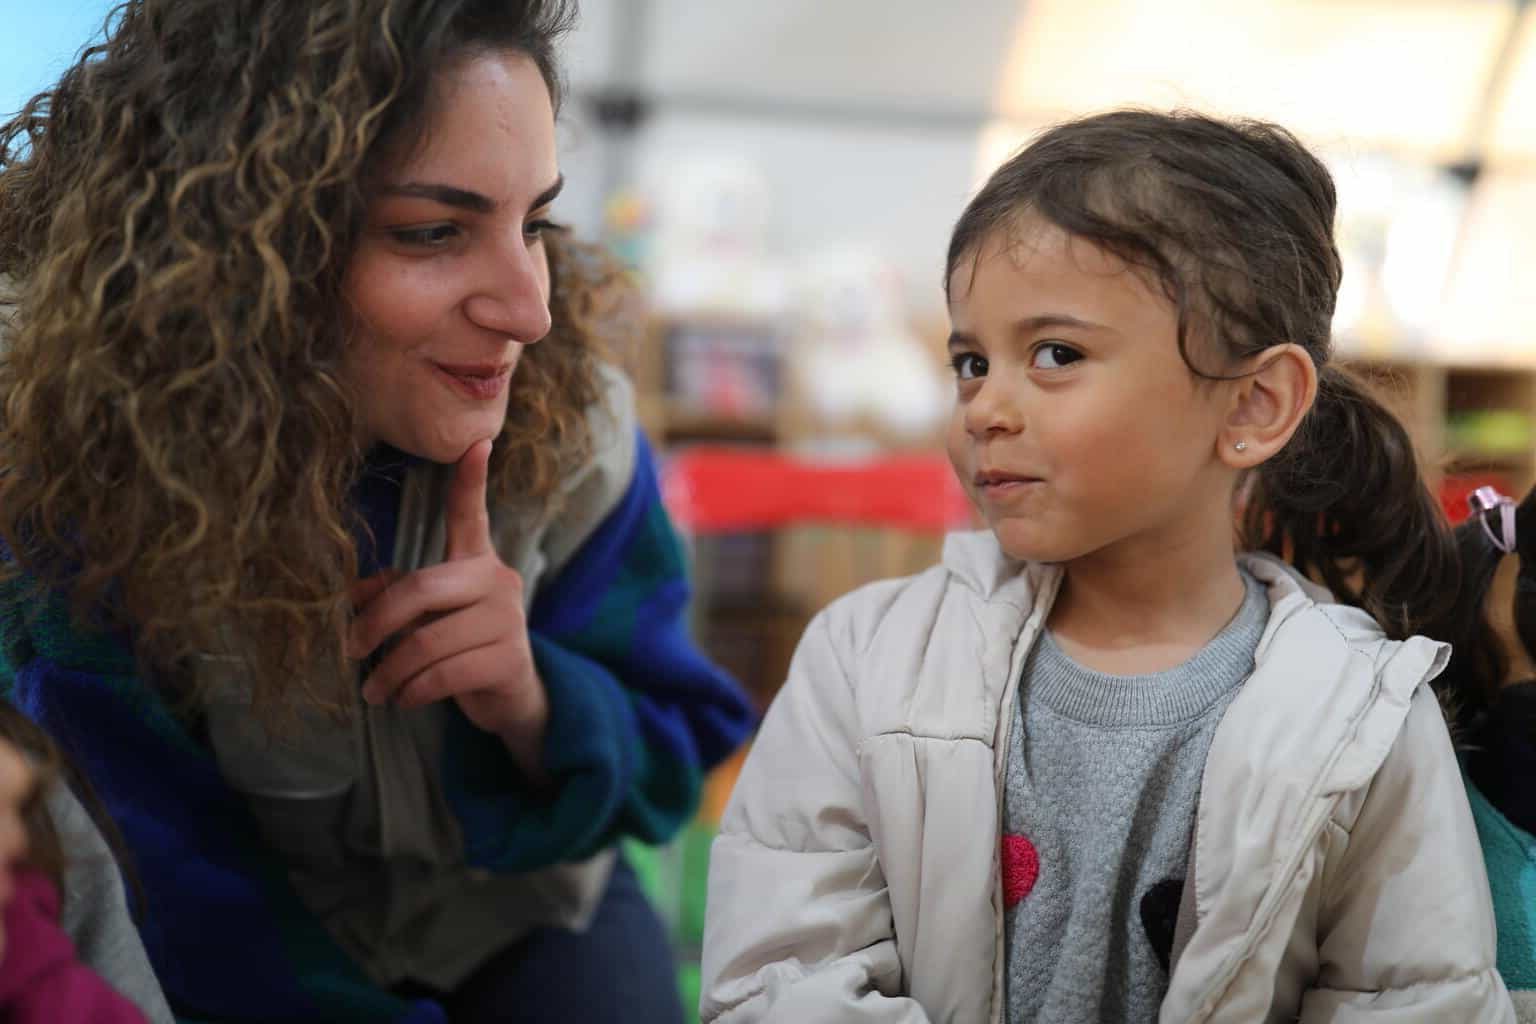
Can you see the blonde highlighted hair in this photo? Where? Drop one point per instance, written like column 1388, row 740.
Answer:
column 176, row 216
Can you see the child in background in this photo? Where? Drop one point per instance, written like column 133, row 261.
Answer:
column 1497, row 729
column 66, row 930
column 1115, row 760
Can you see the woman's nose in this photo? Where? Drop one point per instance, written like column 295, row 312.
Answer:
column 513, row 298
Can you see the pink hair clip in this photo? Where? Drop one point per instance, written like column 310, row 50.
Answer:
column 1483, row 501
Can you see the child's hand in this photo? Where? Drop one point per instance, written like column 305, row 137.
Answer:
column 17, row 781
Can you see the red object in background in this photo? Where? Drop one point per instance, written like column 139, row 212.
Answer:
column 716, row 490
column 1455, row 490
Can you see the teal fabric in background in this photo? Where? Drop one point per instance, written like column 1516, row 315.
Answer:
column 39, row 39
column 1510, row 855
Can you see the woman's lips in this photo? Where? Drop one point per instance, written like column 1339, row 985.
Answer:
column 479, row 381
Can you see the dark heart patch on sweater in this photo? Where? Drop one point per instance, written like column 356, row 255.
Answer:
column 1160, row 916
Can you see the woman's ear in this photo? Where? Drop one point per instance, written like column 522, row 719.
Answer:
column 1268, row 404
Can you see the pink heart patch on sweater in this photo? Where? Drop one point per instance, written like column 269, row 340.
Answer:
column 1021, row 867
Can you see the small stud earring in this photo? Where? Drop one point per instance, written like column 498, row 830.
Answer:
column 1241, row 446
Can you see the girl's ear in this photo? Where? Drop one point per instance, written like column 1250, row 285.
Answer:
column 1268, row 404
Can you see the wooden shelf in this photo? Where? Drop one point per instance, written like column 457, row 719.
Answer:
column 1426, row 395
column 689, row 425
column 1457, row 460
column 806, row 567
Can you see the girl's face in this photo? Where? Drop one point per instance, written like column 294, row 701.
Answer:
column 449, row 280
column 17, row 781
column 1078, row 429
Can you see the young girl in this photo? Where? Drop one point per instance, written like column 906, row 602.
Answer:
column 69, row 951
column 1109, row 762
column 1498, row 732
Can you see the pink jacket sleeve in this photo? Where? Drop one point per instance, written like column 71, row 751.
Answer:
column 41, row 981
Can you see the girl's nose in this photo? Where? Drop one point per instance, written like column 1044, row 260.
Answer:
column 994, row 409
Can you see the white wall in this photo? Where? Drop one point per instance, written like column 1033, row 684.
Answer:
column 863, row 115
column 813, row 91
column 908, row 53
column 898, row 191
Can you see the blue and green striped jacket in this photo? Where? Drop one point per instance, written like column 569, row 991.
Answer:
column 637, row 715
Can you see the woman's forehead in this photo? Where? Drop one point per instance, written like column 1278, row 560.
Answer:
column 489, row 129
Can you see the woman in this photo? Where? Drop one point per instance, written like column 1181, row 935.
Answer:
column 354, row 597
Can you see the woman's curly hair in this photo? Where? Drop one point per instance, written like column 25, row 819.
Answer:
column 176, row 216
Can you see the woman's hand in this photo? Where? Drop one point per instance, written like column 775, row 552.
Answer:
column 460, row 626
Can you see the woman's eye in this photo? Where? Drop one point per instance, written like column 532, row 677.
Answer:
column 433, row 237
column 537, row 229
column 1053, row 356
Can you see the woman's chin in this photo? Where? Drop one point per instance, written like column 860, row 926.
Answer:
column 449, row 452
column 445, row 448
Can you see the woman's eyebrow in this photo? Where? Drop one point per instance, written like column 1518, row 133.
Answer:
column 548, row 195
column 448, row 195
column 463, row 198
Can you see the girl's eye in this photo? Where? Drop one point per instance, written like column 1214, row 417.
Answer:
column 434, row 237
column 1054, row 355
column 968, row 365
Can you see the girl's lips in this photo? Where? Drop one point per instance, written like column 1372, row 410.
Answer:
column 993, row 478
column 996, row 486
column 480, row 382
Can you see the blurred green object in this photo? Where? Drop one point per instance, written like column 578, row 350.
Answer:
column 1491, row 432
column 675, row 878
column 690, row 982
column 646, row 862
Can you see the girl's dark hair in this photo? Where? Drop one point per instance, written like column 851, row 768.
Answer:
column 177, row 214
column 46, row 850
column 1234, row 221
column 1497, row 721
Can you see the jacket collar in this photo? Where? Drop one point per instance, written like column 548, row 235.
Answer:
column 977, row 561
column 1317, row 718
column 1317, row 661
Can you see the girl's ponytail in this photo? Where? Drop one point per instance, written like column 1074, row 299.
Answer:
column 1346, row 504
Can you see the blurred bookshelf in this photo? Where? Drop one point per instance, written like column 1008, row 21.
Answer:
column 1472, row 424
column 715, row 380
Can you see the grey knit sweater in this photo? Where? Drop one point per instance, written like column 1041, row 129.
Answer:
column 95, row 910
column 1102, row 783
